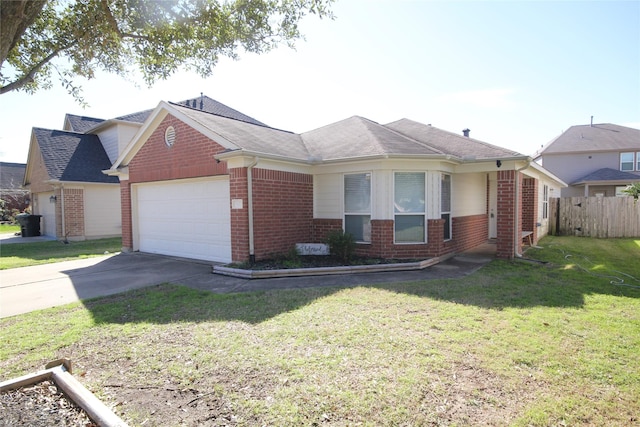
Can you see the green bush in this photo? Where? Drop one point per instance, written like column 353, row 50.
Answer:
column 341, row 245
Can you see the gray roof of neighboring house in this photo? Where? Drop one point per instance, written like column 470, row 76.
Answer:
column 82, row 123
column 71, row 156
column 450, row 143
column 599, row 137
column 608, row 174
column 11, row 175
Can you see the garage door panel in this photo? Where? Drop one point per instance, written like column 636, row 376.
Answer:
column 189, row 219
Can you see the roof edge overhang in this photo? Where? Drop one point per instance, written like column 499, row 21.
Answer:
column 537, row 167
column 162, row 110
column 57, row 182
column 111, row 122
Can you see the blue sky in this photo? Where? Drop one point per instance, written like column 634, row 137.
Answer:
column 516, row 73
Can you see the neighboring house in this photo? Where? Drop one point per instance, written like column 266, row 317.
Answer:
column 11, row 190
column 205, row 186
column 594, row 160
column 64, row 172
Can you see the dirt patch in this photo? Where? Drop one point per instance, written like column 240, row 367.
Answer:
column 315, row 261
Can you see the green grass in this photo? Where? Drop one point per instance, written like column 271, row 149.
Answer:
column 9, row 228
column 518, row 343
column 34, row 253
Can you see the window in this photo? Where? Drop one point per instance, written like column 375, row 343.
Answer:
column 357, row 206
column 626, row 161
column 545, row 201
column 409, row 207
column 445, row 204
column 638, row 161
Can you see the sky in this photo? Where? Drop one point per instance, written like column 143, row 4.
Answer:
column 516, row 73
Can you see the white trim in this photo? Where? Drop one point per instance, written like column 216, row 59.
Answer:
column 423, row 213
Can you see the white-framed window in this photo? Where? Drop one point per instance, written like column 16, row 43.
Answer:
column 626, row 161
column 445, row 204
column 638, row 160
column 357, row 206
column 545, row 201
column 409, row 207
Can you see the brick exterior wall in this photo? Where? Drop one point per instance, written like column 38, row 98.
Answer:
column 283, row 211
column 530, row 207
column 191, row 156
column 73, row 213
column 468, row 232
column 125, row 207
column 239, row 217
column 506, row 213
column 322, row 227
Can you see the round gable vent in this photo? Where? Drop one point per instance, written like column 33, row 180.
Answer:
column 170, row 136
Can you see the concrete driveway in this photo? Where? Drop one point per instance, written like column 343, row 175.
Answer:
column 26, row 289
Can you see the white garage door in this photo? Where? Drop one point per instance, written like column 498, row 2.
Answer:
column 185, row 218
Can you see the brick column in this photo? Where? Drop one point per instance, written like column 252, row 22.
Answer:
column 239, row 217
column 507, row 217
column 530, row 207
column 125, row 209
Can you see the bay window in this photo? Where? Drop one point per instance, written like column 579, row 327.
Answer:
column 445, row 204
column 409, row 207
column 357, row 206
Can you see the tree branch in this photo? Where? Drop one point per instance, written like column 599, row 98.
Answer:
column 30, row 76
column 110, row 18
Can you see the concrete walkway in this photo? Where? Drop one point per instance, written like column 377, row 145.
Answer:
column 26, row 289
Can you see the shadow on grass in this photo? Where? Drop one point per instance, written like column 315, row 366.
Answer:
column 498, row 285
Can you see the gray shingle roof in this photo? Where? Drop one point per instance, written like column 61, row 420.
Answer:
column 608, row 174
column 11, row 175
column 450, row 143
column 249, row 136
column 599, row 137
column 352, row 138
column 82, row 123
column 70, row 156
column 204, row 103
column 359, row 137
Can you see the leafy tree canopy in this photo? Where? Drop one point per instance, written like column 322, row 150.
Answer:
column 41, row 39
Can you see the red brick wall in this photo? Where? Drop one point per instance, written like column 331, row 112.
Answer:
column 506, row 213
column 530, row 207
column 191, row 155
column 321, row 228
column 468, row 232
column 73, row 212
column 283, row 210
column 239, row 217
column 125, row 207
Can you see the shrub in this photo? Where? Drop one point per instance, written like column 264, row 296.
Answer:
column 341, row 245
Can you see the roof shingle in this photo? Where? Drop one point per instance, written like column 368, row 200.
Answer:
column 70, row 156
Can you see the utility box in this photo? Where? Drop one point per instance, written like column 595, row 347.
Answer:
column 29, row 224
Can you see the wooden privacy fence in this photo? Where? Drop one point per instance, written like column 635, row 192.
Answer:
column 601, row 217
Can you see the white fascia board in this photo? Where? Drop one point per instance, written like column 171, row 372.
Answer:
column 122, row 173
column 112, row 122
column 243, row 158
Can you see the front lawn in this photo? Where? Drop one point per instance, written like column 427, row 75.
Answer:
column 517, row 343
column 34, row 253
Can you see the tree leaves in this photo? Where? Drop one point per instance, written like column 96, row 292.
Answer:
column 158, row 37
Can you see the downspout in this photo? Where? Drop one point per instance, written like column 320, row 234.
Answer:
column 252, row 253
column 517, row 237
column 63, row 219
